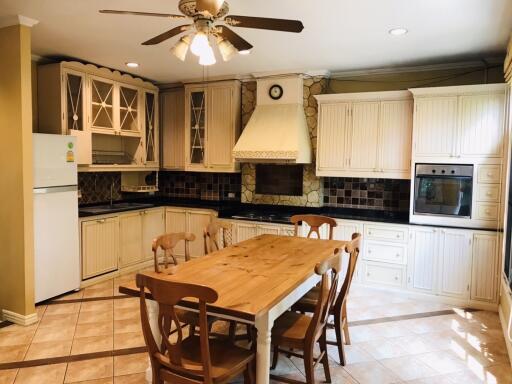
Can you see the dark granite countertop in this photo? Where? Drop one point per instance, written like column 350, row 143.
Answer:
column 229, row 209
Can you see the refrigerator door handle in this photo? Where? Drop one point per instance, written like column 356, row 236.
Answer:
column 65, row 188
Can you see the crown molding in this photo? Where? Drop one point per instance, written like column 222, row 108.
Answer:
column 8, row 21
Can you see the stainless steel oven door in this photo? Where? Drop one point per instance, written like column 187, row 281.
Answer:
column 443, row 190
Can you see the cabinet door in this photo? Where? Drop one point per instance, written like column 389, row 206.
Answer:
column 173, row 129
column 196, row 121
column 220, row 135
column 153, row 225
column 151, row 128
column 435, row 126
column 395, row 136
column 197, row 221
column 423, row 263
column 455, row 263
column 100, row 246
column 246, row 231
column 129, row 110
column 334, row 123
column 344, row 230
column 286, row 230
column 175, row 222
column 102, row 104
column 130, row 233
column 268, row 229
column 364, row 136
column 482, row 125
column 485, row 267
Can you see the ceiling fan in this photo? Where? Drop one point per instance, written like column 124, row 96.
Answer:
column 205, row 15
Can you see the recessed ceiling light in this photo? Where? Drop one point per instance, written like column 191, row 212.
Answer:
column 398, row 31
column 132, row 64
column 244, row 52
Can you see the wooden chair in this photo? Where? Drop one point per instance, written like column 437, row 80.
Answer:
column 339, row 310
column 215, row 231
column 167, row 243
column 314, row 222
column 295, row 331
column 194, row 359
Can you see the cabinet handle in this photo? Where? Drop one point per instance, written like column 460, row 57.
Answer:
column 398, row 236
column 396, row 278
column 369, row 251
column 397, row 255
column 489, row 174
column 370, row 232
column 488, row 193
column 367, row 273
column 100, row 221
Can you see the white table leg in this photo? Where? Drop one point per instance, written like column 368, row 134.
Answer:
column 264, row 327
column 153, row 322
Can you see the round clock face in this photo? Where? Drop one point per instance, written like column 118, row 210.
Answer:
column 275, row 92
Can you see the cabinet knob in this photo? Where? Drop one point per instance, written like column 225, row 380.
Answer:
column 487, row 211
column 396, row 278
column 397, row 255
column 398, row 236
column 489, row 174
column 488, row 193
column 100, row 221
column 369, row 251
column 370, row 232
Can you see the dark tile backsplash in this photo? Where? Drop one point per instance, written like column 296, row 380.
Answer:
column 204, row 186
column 95, row 187
column 380, row 194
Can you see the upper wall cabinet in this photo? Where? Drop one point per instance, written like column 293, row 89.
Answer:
column 200, row 126
column 451, row 123
column 113, row 116
column 365, row 135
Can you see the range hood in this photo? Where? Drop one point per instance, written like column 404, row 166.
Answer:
column 277, row 131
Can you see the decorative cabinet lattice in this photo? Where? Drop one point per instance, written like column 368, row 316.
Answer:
column 113, row 116
column 197, row 127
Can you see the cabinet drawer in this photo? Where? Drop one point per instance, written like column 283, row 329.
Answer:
column 490, row 193
column 489, row 174
column 385, row 232
column 386, row 252
column 487, row 211
column 376, row 273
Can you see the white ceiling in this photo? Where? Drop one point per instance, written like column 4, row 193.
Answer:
column 338, row 34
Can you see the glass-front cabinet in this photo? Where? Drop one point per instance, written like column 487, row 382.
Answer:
column 196, row 128
column 129, row 110
column 102, row 104
column 74, row 110
column 151, row 127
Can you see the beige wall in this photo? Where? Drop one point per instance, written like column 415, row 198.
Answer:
column 16, row 203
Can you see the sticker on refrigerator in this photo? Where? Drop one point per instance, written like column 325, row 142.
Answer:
column 70, row 155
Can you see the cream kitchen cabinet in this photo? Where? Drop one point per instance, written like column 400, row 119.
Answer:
column 172, row 117
column 485, row 268
column 212, row 126
column 99, row 246
column 153, row 225
column 150, row 127
column 462, row 122
column 176, row 222
column 455, row 263
column 365, row 135
column 131, row 244
column 423, row 259
column 245, row 230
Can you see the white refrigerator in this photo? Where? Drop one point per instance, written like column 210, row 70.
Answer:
column 56, row 244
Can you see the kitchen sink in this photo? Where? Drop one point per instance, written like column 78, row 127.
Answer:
column 115, row 207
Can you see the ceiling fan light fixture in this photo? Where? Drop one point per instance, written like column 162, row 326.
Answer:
column 245, row 52
column 207, row 57
column 226, row 49
column 180, row 50
column 200, row 44
column 399, row 31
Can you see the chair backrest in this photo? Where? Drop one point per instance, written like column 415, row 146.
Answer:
column 169, row 354
column 329, row 270
column 215, row 231
column 314, row 222
column 167, row 243
column 352, row 248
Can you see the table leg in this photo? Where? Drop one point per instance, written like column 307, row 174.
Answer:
column 264, row 327
column 153, row 322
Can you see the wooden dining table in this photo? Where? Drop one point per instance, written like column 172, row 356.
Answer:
column 257, row 280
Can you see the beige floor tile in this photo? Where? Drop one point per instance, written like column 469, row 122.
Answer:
column 125, row 326
column 442, row 362
column 95, row 317
column 18, row 328
column 353, row 354
column 129, row 340
column 371, row 373
column 103, row 285
column 12, row 353
column 58, row 320
column 413, row 345
column 58, row 333
column 108, row 380
column 97, row 306
column 137, row 378
column 7, row 376
column 44, row 374
column 441, row 379
column 408, row 368
column 104, row 328
column 394, row 329
column 62, row 309
column 130, row 364
column 103, row 292
column 92, row 344
column 383, row 349
column 40, row 310
column 71, row 296
column 18, row 337
column 499, row 374
column 127, row 314
column 364, row 333
column 48, row 349
column 90, row 370
column 131, row 302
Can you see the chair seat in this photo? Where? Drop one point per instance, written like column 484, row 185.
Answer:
column 290, row 329
column 226, row 358
column 192, row 318
column 307, row 303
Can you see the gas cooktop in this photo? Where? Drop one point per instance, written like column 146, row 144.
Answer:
column 263, row 216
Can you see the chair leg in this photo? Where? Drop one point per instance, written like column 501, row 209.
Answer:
column 275, row 358
column 232, row 331
column 345, row 332
column 325, row 358
column 339, row 339
column 192, row 330
column 249, row 377
column 308, row 365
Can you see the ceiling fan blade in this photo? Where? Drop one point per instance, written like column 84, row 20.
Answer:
column 239, row 43
column 212, row 6
column 167, row 35
column 265, row 23
column 167, row 15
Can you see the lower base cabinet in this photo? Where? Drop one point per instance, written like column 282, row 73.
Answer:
column 100, row 246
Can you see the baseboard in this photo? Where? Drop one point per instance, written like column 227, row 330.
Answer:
column 16, row 318
column 116, row 273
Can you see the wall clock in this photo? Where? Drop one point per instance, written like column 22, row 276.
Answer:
column 275, row 92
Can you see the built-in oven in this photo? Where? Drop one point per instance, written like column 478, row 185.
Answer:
column 444, row 190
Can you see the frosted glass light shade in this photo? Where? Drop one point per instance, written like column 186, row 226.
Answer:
column 180, row 50
column 199, row 44
column 207, row 57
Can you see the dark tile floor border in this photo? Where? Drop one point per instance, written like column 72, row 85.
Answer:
column 71, row 358
column 85, row 299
